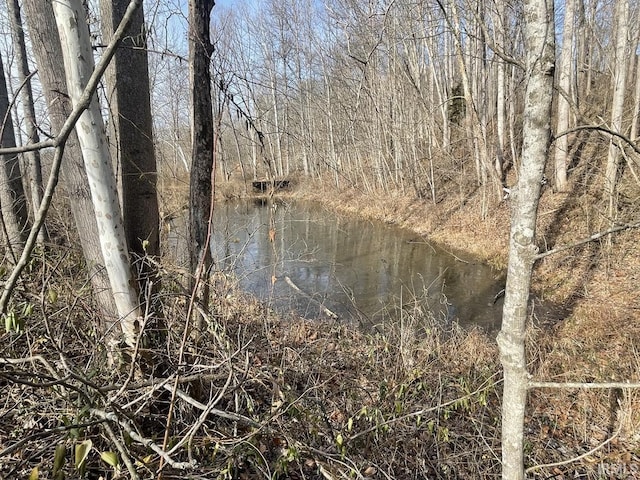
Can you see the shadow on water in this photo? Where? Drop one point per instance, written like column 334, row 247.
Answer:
column 299, row 257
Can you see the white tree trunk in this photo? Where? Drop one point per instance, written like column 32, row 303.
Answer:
column 540, row 48
column 564, row 84
column 617, row 107
column 633, row 135
column 78, row 60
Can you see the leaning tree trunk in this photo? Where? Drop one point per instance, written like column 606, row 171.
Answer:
column 78, row 60
column 540, row 45
column 202, row 137
column 128, row 96
column 34, row 172
column 12, row 199
column 47, row 50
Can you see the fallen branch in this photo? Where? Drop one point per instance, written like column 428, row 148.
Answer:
column 215, row 411
column 112, row 417
column 487, row 383
column 593, row 237
column 579, row 457
column 587, row 385
column 126, row 458
column 324, row 309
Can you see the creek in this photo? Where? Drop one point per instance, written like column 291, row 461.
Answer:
column 299, row 257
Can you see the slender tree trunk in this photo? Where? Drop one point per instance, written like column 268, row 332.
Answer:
column 128, row 95
column 540, row 48
column 78, row 59
column 564, row 97
column 47, row 50
column 617, row 107
column 473, row 116
column 34, row 172
column 501, row 94
column 200, row 51
column 636, row 104
column 12, row 199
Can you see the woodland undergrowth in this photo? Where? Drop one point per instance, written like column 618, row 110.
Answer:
column 265, row 396
column 261, row 395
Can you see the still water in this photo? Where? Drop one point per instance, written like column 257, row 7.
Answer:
column 300, row 257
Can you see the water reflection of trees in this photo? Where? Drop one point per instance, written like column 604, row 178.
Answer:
column 355, row 267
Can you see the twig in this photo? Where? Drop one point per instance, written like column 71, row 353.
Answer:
column 587, row 385
column 7, row 114
column 425, row 410
column 600, row 128
column 579, row 457
column 188, row 438
column 34, row 358
column 42, row 433
column 133, row 366
column 324, row 309
column 220, row 413
column 123, row 452
column 112, row 417
column 43, row 361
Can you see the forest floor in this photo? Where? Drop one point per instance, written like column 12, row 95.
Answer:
column 584, row 315
column 261, row 395
column 585, row 311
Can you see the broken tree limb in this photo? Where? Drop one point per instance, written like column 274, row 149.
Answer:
column 591, row 238
column 324, row 309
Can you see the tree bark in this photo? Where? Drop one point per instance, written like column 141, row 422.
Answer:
column 633, row 134
column 128, row 95
column 34, row 172
column 200, row 51
column 564, row 97
column 78, row 59
column 540, row 48
column 617, row 104
column 47, row 50
column 12, row 199
column 501, row 94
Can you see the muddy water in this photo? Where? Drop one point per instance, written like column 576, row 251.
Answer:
column 300, row 257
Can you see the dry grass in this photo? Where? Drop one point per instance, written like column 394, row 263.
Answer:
column 585, row 326
column 309, row 399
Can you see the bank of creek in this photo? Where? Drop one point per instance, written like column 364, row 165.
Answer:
column 297, row 256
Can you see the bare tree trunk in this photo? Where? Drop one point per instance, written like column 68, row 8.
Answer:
column 473, row 115
column 564, row 97
column 12, row 199
column 501, row 94
column 34, row 172
column 617, row 107
column 45, row 43
column 200, row 51
column 540, row 48
column 633, row 135
column 78, row 59
column 128, row 94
